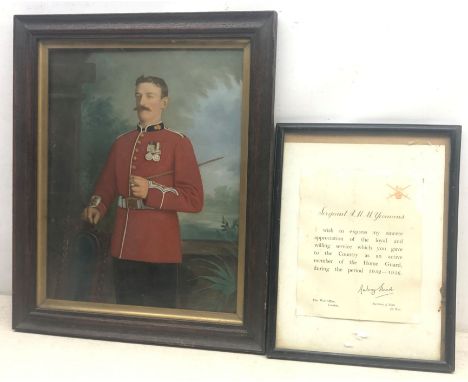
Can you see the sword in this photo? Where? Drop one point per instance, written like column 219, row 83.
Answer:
column 171, row 171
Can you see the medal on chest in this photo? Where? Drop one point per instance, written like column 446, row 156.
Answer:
column 153, row 151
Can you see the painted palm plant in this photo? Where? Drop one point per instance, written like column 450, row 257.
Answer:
column 220, row 271
column 222, row 279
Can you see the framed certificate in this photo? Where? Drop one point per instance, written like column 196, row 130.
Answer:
column 142, row 142
column 364, row 246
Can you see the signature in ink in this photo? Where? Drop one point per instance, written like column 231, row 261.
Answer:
column 378, row 292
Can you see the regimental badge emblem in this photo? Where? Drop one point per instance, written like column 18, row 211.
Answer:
column 153, row 151
column 398, row 192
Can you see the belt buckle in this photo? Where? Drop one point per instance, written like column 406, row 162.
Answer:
column 132, row 203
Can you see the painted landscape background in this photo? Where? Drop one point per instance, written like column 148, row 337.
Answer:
column 91, row 103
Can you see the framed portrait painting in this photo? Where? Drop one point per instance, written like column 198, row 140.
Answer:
column 363, row 270
column 143, row 149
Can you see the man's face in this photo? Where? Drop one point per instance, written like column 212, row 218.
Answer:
column 149, row 104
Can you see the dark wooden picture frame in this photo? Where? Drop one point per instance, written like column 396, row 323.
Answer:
column 32, row 311
column 326, row 340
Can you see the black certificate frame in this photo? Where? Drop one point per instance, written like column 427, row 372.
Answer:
column 446, row 361
column 33, row 310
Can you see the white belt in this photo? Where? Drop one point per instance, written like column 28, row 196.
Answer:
column 132, row 203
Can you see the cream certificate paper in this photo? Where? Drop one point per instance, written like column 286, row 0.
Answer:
column 359, row 254
column 361, row 245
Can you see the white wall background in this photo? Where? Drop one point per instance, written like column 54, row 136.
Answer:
column 395, row 61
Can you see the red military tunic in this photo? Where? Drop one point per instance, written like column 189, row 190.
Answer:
column 153, row 234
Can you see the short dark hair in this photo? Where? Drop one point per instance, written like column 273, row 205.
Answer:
column 159, row 82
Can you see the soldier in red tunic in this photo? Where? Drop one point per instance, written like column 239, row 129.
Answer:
column 153, row 173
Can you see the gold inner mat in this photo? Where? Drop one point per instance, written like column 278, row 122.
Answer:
column 141, row 311
column 147, row 44
column 42, row 170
